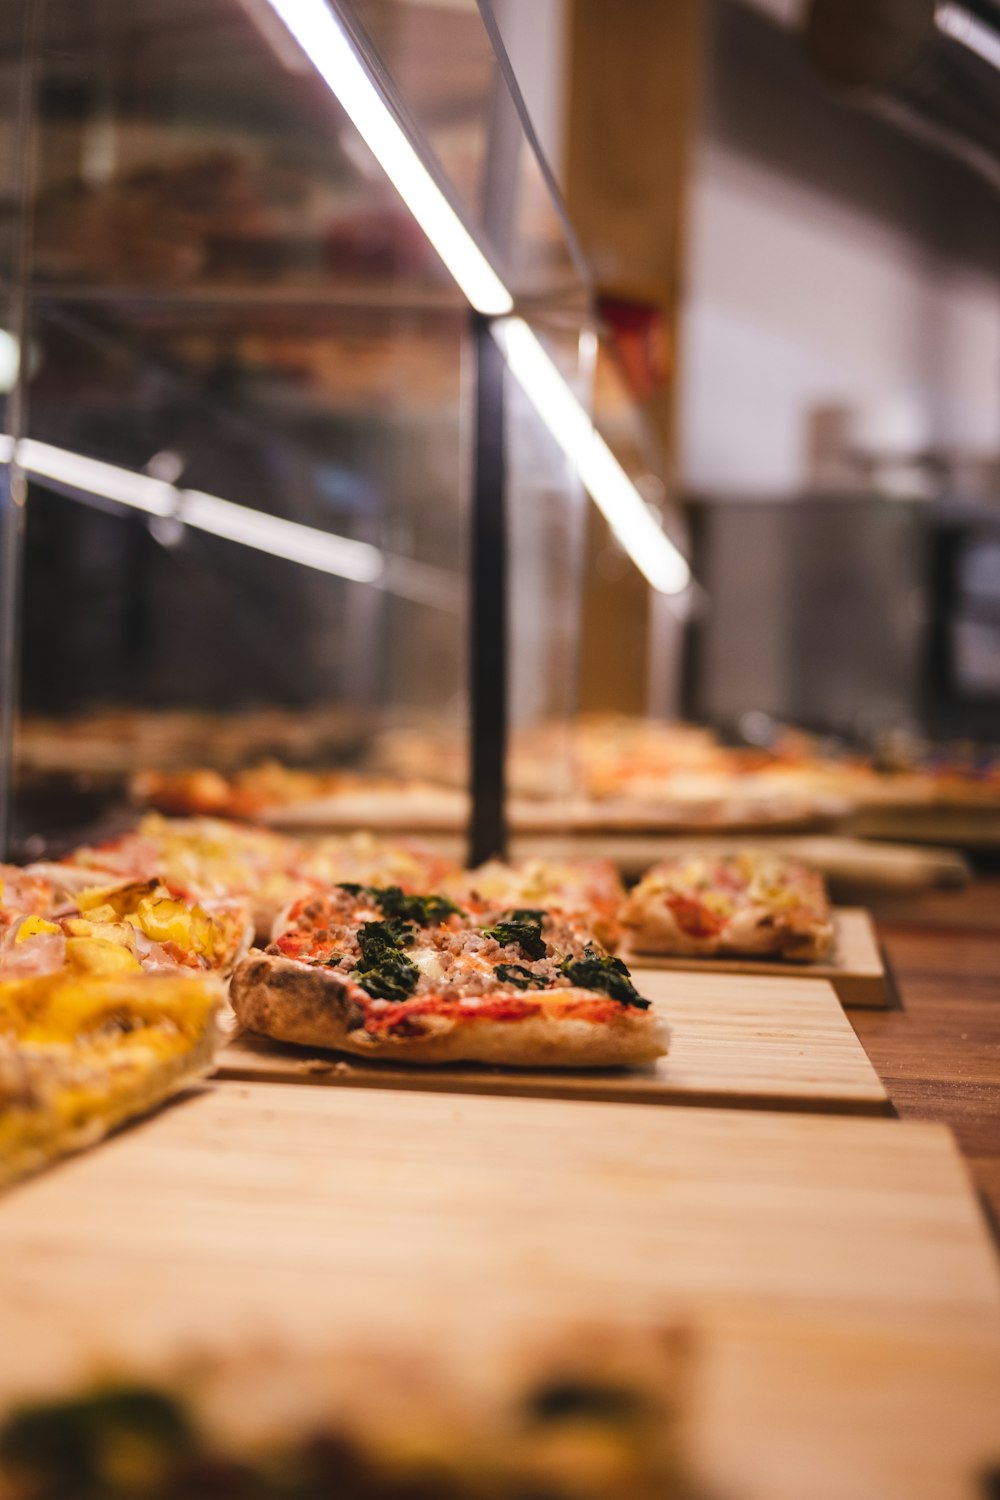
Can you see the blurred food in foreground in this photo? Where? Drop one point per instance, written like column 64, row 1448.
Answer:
column 82, row 1053
column 603, row 1418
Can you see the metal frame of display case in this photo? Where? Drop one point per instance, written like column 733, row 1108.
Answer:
column 487, row 837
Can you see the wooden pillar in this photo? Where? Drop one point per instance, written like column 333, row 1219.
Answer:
column 633, row 89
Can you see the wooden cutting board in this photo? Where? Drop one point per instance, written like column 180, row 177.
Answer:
column 313, row 1217
column 834, row 1410
column 735, row 1040
column 855, row 969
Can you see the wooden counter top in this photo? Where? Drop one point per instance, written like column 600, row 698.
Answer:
column 939, row 1057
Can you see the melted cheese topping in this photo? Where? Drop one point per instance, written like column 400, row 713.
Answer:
column 73, row 1009
column 78, row 1055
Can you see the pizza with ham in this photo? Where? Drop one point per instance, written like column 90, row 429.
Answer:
column 212, row 859
column 753, row 904
column 23, row 893
column 420, row 979
column 124, row 928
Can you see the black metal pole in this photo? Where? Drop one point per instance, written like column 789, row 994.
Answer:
column 488, row 608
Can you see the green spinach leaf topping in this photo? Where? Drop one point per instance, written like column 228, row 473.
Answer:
column 392, row 901
column 385, row 971
column 607, row 975
column 64, row 1447
column 526, row 934
column 573, row 1400
column 521, row 978
column 426, row 911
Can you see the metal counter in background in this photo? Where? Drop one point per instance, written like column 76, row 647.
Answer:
column 854, row 615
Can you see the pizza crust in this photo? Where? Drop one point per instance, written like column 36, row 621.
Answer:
column 294, row 1002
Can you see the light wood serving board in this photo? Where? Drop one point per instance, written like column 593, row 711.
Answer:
column 833, row 1410
column 309, row 1216
column 835, row 1274
column 855, row 969
column 735, row 1040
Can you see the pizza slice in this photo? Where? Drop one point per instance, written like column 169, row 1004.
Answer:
column 80, row 1054
column 288, row 797
column 755, row 904
column 382, row 974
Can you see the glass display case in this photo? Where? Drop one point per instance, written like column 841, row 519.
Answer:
column 304, row 339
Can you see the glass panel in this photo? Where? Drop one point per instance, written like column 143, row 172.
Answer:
column 440, row 59
column 15, row 163
column 234, row 316
column 229, row 304
column 621, row 421
column 194, row 148
column 546, row 511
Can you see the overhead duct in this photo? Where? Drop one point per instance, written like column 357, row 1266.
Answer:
column 934, row 65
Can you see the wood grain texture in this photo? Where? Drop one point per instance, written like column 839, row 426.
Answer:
column 836, row 1411
column 316, row 1215
column 754, row 1041
column 975, row 909
column 855, row 968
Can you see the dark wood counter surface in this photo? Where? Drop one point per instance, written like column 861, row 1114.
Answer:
column 939, row 1056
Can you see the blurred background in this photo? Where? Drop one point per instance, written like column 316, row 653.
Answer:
column 761, row 240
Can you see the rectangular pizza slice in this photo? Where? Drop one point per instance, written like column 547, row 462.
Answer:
column 381, row 974
column 755, row 904
column 81, row 1054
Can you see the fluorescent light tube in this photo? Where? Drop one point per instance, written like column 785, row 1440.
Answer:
column 962, row 26
column 607, row 483
column 358, row 561
column 319, row 34
column 342, row 556
column 321, row 38
column 96, row 478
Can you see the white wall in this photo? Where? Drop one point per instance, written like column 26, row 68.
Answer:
column 830, row 263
